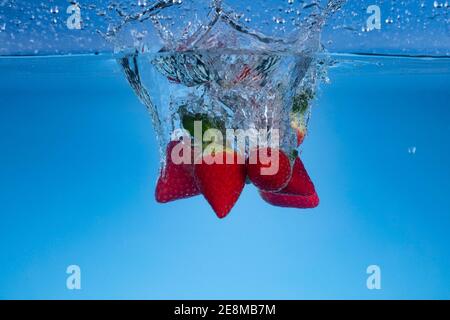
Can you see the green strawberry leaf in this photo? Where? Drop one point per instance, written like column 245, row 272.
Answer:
column 188, row 120
column 294, row 155
column 301, row 101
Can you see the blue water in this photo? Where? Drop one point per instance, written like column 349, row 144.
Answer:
column 79, row 162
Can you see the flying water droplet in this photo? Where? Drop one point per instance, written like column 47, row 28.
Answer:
column 54, row 10
column 437, row 5
column 142, row 3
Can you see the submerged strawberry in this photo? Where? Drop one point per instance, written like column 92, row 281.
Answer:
column 176, row 181
column 299, row 193
column 221, row 183
column 300, row 183
column 291, row 201
column 246, row 71
column 269, row 169
column 298, row 123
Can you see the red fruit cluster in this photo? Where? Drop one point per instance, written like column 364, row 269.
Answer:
column 221, row 181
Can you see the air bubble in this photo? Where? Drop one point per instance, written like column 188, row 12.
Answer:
column 279, row 20
column 412, row 150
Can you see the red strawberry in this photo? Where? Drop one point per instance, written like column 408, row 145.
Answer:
column 301, row 133
column 291, row 201
column 299, row 193
column 246, row 71
column 300, row 183
column 176, row 180
column 221, row 184
column 299, row 125
column 268, row 169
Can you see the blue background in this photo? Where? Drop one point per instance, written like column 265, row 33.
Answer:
column 78, row 165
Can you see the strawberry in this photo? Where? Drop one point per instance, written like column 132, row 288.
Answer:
column 221, row 183
column 176, row 181
column 300, row 183
column 291, row 201
column 298, row 123
column 246, row 71
column 299, row 193
column 269, row 169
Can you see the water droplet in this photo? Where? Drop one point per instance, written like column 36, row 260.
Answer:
column 412, row 150
column 279, row 20
column 54, row 10
column 437, row 5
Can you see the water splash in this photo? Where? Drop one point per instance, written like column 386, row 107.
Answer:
column 30, row 27
column 167, row 25
column 221, row 70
